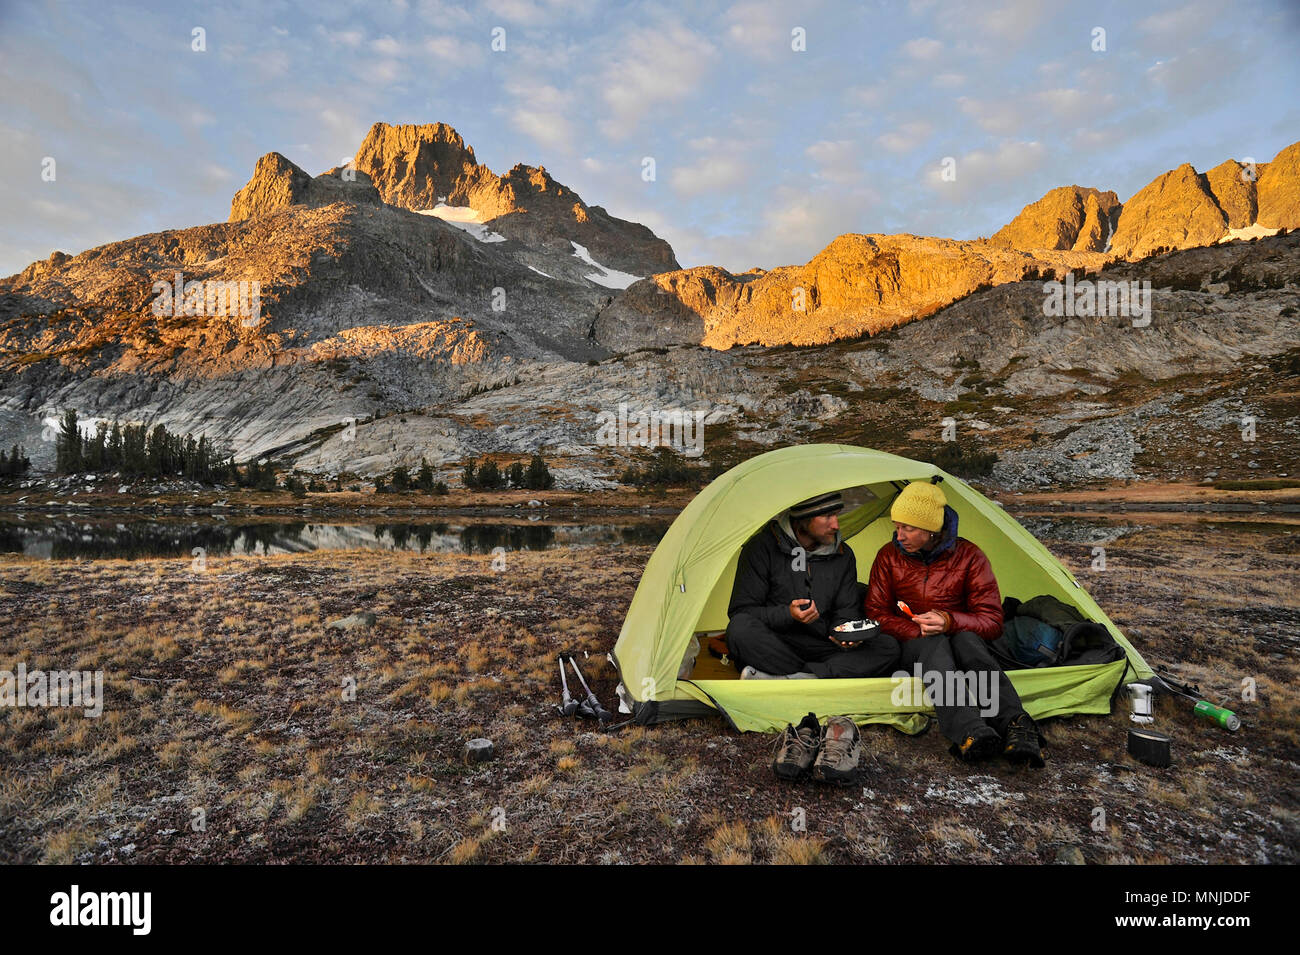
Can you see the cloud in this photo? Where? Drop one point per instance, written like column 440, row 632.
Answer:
column 215, row 174
column 839, row 161
column 517, row 11
column 551, row 130
column 381, row 72
column 443, row 14
column 797, row 224
column 867, row 95
column 906, row 137
column 1073, row 105
column 455, row 52
column 541, row 11
column 923, row 48
column 1179, row 27
column 651, row 66
column 1183, row 77
column 1002, row 116
column 983, row 170
column 347, row 38
column 540, row 112
column 761, row 28
column 718, row 172
column 1014, row 20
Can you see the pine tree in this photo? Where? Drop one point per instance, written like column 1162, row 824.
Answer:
column 488, row 475
column 67, row 447
column 113, row 457
column 14, row 464
column 538, row 476
column 266, row 478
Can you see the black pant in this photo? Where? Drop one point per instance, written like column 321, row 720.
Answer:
column 962, row 662
column 750, row 642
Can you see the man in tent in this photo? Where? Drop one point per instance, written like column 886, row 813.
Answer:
column 795, row 581
column 952, row 609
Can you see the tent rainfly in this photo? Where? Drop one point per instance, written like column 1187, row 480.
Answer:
column 686, row 587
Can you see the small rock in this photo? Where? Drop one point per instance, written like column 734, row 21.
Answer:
column 363, row 619
column 479, row 750
column 1070, row 855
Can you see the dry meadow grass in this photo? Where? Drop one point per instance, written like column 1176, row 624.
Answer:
column 229, row 701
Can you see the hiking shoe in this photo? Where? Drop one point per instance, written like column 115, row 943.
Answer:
column 795, row 749
column 980, row 745
column 841, row 745
column 1022, row 744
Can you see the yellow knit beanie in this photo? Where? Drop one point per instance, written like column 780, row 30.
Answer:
column 920, row 505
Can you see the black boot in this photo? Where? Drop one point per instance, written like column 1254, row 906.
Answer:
column 979, row 745
column 1022, row 744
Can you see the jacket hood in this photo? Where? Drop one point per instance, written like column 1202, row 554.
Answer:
column 947, row 539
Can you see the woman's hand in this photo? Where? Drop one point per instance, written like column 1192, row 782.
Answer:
column 931, row 622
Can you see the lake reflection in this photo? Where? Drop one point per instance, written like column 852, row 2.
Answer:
column 90, row 539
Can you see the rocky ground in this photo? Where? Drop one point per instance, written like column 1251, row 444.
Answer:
column 225, row 692
column 1207, row 390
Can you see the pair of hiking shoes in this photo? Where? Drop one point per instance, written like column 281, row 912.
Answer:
column 1021, row 746
column 831, row 752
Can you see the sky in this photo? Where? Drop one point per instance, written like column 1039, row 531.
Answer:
column 773, row 127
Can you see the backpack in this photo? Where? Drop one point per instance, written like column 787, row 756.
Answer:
column 1029, row 640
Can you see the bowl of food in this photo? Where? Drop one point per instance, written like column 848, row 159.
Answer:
column 857, row 626
column 852, row 632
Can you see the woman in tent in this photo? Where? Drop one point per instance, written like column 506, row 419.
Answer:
column 935, row 593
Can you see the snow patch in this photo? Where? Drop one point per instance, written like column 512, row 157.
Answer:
column 540, row 272
column 610, row 278
column 1252, row 231
column 465, row 218
column 974, row 791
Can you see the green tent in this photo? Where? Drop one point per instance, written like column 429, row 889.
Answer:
column 687, row 584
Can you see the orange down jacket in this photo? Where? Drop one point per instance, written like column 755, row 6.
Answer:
column 954, row 577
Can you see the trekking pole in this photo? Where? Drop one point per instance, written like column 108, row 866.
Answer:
column 1218, row 715
column 599, row 711
column 569, row 705
column 581, row 708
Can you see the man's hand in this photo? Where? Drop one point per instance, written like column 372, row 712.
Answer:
column 932, row 622
column 803, row 610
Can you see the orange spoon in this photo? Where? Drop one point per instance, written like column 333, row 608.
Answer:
column 906, row 609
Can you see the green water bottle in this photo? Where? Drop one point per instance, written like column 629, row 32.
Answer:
column 1217, row 714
